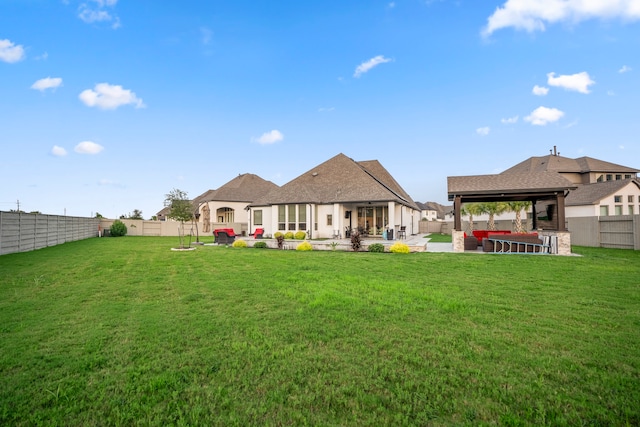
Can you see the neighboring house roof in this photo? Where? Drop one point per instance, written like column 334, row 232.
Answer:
column 592, row 194
column 440, row 210
column 556, row 163
column 340, row 180
column 512, row 183
column 246, row 187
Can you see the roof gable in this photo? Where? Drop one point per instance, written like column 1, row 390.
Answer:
column 592, row 194
column 245, row 187
column 340, row 180
column 556, row 163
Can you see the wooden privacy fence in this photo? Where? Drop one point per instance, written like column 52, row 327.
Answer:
column 618, row 232
column 21, row 232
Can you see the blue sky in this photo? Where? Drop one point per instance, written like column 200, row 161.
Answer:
column 108, row 105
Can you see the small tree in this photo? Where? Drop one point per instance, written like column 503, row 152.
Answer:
column 179, row 210
column 472, row 209
column 494, row 208
column 137, row 214
column 517, row 207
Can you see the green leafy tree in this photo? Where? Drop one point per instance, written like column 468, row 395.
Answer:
column 137, row 214
column 180, row 210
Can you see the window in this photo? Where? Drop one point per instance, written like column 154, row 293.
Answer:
column 618, row 210
column 630, row 199
column 609, row 177
column 618, row 177
column 257, row 217
column 282, row 217
column 630, row 209
column 292, row 217
column 617, row 199
column 302, row 217
column 627, row 176
column 600, row 178
column 329, row 219
column 225, row 215
column 604, row 210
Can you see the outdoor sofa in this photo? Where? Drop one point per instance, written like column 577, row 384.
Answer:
column 516, row 242
column 224, row 235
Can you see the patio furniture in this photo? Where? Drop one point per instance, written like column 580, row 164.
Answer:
column 402, row 233
column 224, row 235
column 258, row 233
column 515, row 243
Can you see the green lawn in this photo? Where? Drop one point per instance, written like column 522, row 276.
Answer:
column 121, row 331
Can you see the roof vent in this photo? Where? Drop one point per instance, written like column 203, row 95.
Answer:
column 314, row 174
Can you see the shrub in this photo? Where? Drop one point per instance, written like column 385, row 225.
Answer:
column 304, row 246
column 239, row 244
column 288, row 235
column 277, row 234
column 118, row 228
column 356, row 241
column 260, row 245
column 376, row 247
column 399, row 248
column 300, row 235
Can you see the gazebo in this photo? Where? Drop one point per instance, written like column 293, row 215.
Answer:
column 545, row 190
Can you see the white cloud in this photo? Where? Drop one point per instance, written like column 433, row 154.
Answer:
column 391, row 5
column 270, row 137
column 533, row 15
column 109, row 97
column 484, row 131
column 578, row 82
column 368, row 65
column 206, row 35
column 58, row 151
column 88, row 147
column 510, row 120
column 624, row 69
column 97, row 11
column 541, row 116
column 47, row 83
column 9, row 52
column 540, row 90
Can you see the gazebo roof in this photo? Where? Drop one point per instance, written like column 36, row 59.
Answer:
column 508, row 187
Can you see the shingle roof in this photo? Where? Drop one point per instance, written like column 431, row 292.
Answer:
column 507, row 183
column 246, row 187
column 553, row 163
column 340, row 180
column 592, row 194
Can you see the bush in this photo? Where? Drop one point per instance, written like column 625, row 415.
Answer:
column 300, row 235
column 356, row 241
column 288, row 235
column 277, row 234
column 304, row 246
column 118, row 229
column 376, row 247
column 260, row 245
column 399, row 248
column 239, row 244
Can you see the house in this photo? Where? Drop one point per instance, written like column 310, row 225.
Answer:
column 226, row 207
column 335, row 197
column 602, row 188
column 432, row 211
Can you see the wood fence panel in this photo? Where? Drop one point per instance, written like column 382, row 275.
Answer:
column 617, row 232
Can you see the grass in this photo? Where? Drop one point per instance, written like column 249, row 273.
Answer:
column 120, row 331
column 439, row 238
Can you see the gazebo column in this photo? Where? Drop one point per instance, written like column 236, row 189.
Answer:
column 561, row 217
column 457, row 207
